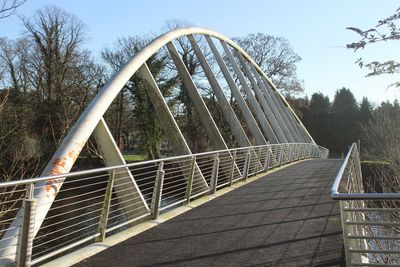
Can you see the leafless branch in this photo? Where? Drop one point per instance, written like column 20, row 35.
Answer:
column 8, row 7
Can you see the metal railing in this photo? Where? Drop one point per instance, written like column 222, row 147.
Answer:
column 370, row 221
column 96, row 203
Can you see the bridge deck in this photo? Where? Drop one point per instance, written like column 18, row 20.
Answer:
column 285, row 218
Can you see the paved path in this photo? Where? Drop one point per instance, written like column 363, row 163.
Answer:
column 283, row 219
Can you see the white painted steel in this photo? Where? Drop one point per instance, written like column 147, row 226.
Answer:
column 270, row 110
column 248, row 116
column 124, row 180
column 73, row 231
column 263, row 118
column 226, row 108
column 370, row 228
column 65, row 156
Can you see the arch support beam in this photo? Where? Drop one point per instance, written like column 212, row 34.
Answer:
column 271, row 97
column 226, row 108
column 208, row 122
column 169, row 124
column 269, row 108
column 167, row 120
column 293, row 118
column 271, row 121
column 90, row 122
column 206, row 119
column 125, row 187
column 250, row 121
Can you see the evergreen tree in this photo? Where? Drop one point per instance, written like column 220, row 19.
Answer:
column 344, row 121
column 319, row 104
column 316, row 120
column 366, row 110
column 344, row 101
column 134, row 102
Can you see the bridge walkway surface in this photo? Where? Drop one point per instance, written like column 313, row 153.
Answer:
column 285, row 218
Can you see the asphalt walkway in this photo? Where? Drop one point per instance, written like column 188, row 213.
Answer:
column 286, row 218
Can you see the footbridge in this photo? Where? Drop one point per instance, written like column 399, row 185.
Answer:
column 265, row 201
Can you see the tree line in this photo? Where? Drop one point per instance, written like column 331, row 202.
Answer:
column 337, row 124
column 47, row 78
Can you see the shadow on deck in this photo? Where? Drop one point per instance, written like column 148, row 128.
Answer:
column 286, row 218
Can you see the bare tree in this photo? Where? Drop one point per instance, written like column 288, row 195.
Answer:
column 47, row 81
column 61, row 72
column 381, row 146
column 8, row 7
column 381, row 137
column 276, row 58
column 188, row 118
column 3, row 99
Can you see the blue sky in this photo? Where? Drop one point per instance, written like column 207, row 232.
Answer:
column 315, row 29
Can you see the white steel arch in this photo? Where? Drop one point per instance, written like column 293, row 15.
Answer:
column 91, row 119
column 79, row 134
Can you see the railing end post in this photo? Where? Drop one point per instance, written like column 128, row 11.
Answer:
column 214, row 174
column 247, row 165
column 190, row 181
column 25, row 241
column 106, row 208
column 156, row 199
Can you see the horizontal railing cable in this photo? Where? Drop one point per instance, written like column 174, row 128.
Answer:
column 370, row 220
column 93, row 204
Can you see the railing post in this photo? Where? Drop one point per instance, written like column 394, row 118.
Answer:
column 301, row 152
column 106, row 208
column 287, row 155
column 298, row 151
column 280, row 156
column 247, row 165
column 346, row 231
column 214, row 174
column 273, row 155
column 267, row 158
column 232, row 168
column 258, row 162
column 290, row 153
column 25, row 241
column 156, row 198
column 190, row 180
column 307, row 151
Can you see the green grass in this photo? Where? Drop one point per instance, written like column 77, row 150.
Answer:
column 382, row 162
column 133, row 157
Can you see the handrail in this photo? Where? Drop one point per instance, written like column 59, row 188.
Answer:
column 339, row 176
column 368, row 219
column 135, row 164
column 273, row 115
column 114, row 200
column 335, row 194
